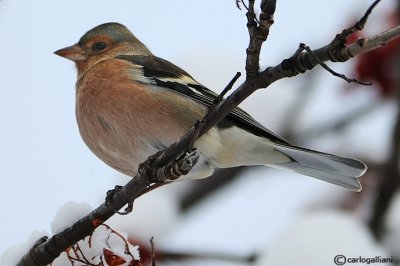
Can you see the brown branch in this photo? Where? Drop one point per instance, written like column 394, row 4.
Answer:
column 327, row 68
column 44, row 253
column 258, row 31
column 341, row 38
column 299, row 63
column 365, row 45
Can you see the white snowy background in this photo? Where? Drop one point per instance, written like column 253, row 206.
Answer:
column 290, row 219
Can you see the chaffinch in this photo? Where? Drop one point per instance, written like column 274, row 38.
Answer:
column 131, row 104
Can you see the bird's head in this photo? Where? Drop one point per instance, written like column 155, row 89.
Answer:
column 101, row 43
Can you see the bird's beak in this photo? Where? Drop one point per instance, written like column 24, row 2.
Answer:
column 73, row 52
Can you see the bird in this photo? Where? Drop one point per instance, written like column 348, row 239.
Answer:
column 131, row 104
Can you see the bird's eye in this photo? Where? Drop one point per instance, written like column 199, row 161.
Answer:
column 99, row 46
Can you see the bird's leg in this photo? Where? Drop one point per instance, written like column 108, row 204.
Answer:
column 172, row 170
column 178, row 167
column 182, row 165
column 144, row 168
column 161, row 176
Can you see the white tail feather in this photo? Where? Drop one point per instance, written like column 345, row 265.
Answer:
column 330, row 168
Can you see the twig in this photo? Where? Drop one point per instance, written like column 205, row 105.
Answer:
column 258, row 32
column 238, row 2
column 302, row 62
column 361, row 23
column 341, row 38
column 227, row 88
column 199, row 124
column 330, row 70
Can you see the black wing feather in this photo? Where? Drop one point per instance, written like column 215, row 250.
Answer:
column 163, row 73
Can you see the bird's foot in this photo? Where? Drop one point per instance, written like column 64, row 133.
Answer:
column 128, row 209
column 182, row 165
column 172, row 171
column 111, row 194
column 110, row 197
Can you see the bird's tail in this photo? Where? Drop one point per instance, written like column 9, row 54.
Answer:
column 330, row 168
